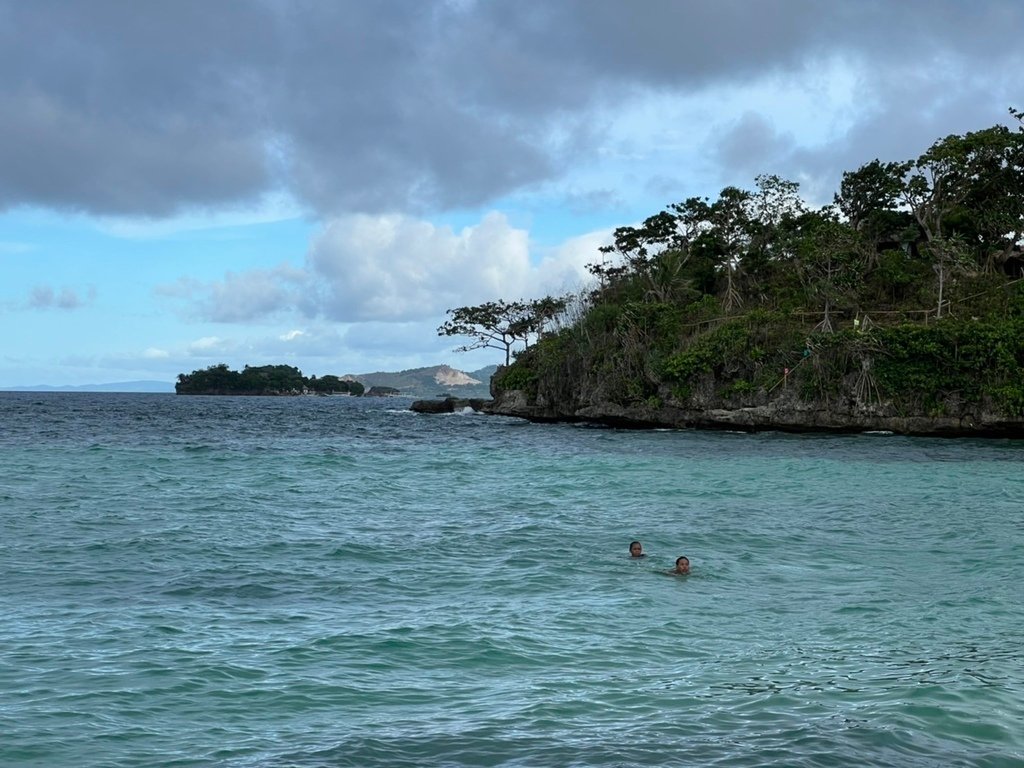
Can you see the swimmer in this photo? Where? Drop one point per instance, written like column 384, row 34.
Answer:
column 682, row 566
column 636, row 549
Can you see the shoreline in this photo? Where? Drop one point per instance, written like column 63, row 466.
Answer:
column 786, row 418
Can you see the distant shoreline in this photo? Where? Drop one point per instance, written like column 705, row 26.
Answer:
column 152, row 387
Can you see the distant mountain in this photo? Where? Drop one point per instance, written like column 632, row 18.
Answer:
column 117, row 386
column 434, row 381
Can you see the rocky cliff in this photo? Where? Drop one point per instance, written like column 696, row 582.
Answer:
column 783, row 411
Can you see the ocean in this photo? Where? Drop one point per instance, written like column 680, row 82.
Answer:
column 318, row 582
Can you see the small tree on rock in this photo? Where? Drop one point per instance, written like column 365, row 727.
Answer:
column 495, row 325
column 500, row 324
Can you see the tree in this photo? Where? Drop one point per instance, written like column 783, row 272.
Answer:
column 544, row 311
column 331, row 384
column 731, row 226
column 495, row 325
column 500, row 324
column 655, row 253
column 271, row 378
column 830, row 261
column 964, row 187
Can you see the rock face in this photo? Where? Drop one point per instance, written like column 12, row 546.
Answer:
column 449, row 377
column 381, row 392
column 784, row 412
column 448, row 405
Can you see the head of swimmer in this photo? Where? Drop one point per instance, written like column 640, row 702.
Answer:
column 682, row 565
column 636, row 549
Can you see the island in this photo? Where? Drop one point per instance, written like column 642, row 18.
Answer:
column 899, row 307
column 381, row 391
column 265, row 380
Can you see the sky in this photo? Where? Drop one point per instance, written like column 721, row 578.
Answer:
column 251, row 182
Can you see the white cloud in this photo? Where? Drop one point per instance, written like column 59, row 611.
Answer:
column 47, row 297
column 400, row 269
column 208, row 345
column 564, row 269
column 153, row 353
column 397, row 268
column 394, row 270
column 249, row 296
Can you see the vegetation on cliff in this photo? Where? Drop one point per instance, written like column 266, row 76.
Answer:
column 902, row 298
column 261, row 380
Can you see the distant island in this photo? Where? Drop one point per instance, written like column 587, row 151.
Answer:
column 284, row 380
column 266, row 380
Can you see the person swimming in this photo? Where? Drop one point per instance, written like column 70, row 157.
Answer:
column 682, row 566
column 636, row 549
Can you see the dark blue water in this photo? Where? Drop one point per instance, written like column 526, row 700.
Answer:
column 341, row 582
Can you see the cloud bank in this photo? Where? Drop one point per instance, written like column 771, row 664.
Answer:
column 392, row 269
column 402, row 106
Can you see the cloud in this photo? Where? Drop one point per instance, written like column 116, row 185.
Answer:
column 153, row 353
column 396, row 339
column 396, row 268
column 211, row 346
column 47, row 297
column 392, row 271
column 153, row 109
column 254, row 296
column 564, row 269
column 319, row 349
column 753, row 146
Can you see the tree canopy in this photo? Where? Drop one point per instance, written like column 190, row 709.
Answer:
column 261, row 380
column 751, row 284
column 502, row 324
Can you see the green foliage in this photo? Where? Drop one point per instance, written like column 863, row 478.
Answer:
column 271, row 379
column 657, row 324
column 717, row 298
column 602, row 318
column 729, row 350
column 684, row 366
column 707, row 307
column 502, row 324
column 923, row 366
column 261, row 380
column 739, row 388
column 330, row 385
column 517, row 376
column 1010, row 399
column 897, row 278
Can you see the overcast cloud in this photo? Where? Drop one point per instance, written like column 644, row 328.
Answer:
column 364, row 165
column 119, row 107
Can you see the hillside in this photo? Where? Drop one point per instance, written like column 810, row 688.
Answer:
column 433, row 381
column 898, row 308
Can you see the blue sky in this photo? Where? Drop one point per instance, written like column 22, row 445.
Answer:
column 268, row 181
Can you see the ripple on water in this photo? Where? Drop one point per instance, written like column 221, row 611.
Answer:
column 306, row 582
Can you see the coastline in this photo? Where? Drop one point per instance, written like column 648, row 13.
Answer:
column 781, row 415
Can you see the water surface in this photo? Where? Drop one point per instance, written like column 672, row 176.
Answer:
column 193, row 581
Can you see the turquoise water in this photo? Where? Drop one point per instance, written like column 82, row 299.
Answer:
column 323, row 582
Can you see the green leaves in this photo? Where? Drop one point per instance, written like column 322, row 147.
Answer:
column 260, row 380
column 716, row 297
column 501, row 324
